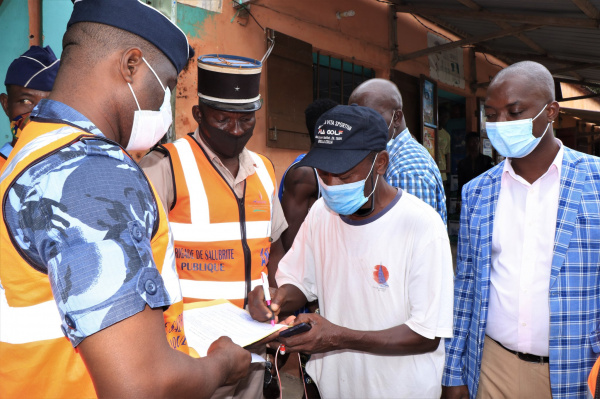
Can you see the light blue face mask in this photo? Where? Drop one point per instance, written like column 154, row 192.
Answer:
column 345, row 199
column 514, row 139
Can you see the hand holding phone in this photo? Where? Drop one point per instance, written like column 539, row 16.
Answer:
column 294, row 330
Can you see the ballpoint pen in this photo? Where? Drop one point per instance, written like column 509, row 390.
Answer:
column 265, row 284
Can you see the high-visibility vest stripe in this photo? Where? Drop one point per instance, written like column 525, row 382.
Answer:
column 169, row 271
column 215, row 289
column 22, row 325
column 219, row 231
column 40, row 142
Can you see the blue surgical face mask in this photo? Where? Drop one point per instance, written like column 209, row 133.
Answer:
column 345, row 199
column 514, row 139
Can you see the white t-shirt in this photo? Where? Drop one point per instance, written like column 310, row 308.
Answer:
column 391, row 269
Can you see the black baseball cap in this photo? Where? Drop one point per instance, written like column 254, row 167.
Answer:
column 344, row 136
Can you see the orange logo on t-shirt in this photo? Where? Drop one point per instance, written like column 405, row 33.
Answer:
column 381, row 275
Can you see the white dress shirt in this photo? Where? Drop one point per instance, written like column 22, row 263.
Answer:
column 522, row 251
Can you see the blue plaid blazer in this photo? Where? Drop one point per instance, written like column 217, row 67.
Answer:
column 574, row 291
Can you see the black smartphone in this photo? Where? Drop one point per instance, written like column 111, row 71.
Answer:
column 297, row 329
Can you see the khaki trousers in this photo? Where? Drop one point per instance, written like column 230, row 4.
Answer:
column 251, row 387
column 504, row 375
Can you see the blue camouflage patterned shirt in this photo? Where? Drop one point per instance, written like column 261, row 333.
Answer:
column 85, row 215
column 412, row 169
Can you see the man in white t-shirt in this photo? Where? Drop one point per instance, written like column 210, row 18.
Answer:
column 377, row 259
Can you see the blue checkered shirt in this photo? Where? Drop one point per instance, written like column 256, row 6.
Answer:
column 574, row 289
column 413, row 169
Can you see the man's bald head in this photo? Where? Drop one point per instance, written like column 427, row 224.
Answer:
column 384, row 97
column 538, row 78
column 376, row 92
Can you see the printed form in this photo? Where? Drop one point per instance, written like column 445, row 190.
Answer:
column 205, row 322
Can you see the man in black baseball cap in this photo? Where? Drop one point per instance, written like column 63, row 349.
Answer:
column 382, row 250
column 87, row 252
column 349, row 139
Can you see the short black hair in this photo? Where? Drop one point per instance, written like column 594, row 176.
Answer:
column 314, row 111
column 104, row 40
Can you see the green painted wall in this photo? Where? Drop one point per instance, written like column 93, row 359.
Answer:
column 14, row 41
column 55, row 15
column 191, row 20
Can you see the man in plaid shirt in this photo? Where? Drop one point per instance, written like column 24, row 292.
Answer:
column 527, row 285
column 411, row 167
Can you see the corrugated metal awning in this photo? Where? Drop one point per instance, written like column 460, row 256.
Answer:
column 563, row 35
column 583, row 114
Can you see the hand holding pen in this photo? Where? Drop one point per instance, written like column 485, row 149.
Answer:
column 265, row 284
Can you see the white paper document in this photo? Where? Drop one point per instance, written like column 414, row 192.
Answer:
column 204, row 325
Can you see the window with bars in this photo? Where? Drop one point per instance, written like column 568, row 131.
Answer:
column 335, row 78
column 289, row 71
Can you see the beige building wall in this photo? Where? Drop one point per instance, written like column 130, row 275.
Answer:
column 363, row 38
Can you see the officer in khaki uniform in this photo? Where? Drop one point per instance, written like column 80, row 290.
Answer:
column 221, row 198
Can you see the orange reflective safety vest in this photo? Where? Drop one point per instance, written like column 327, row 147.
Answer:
column 222, row 242
column 36, row 359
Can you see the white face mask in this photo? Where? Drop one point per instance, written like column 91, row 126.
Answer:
column 149, row 126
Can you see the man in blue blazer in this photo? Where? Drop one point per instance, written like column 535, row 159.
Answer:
column 527, row 286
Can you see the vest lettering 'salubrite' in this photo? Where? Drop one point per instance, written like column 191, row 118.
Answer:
column 30, row 324
column 221, row 242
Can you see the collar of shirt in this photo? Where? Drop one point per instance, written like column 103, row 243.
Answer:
column 400, row 140
column 6, row 149
column 247, row 165
column 58, row 112
column 556, row 165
